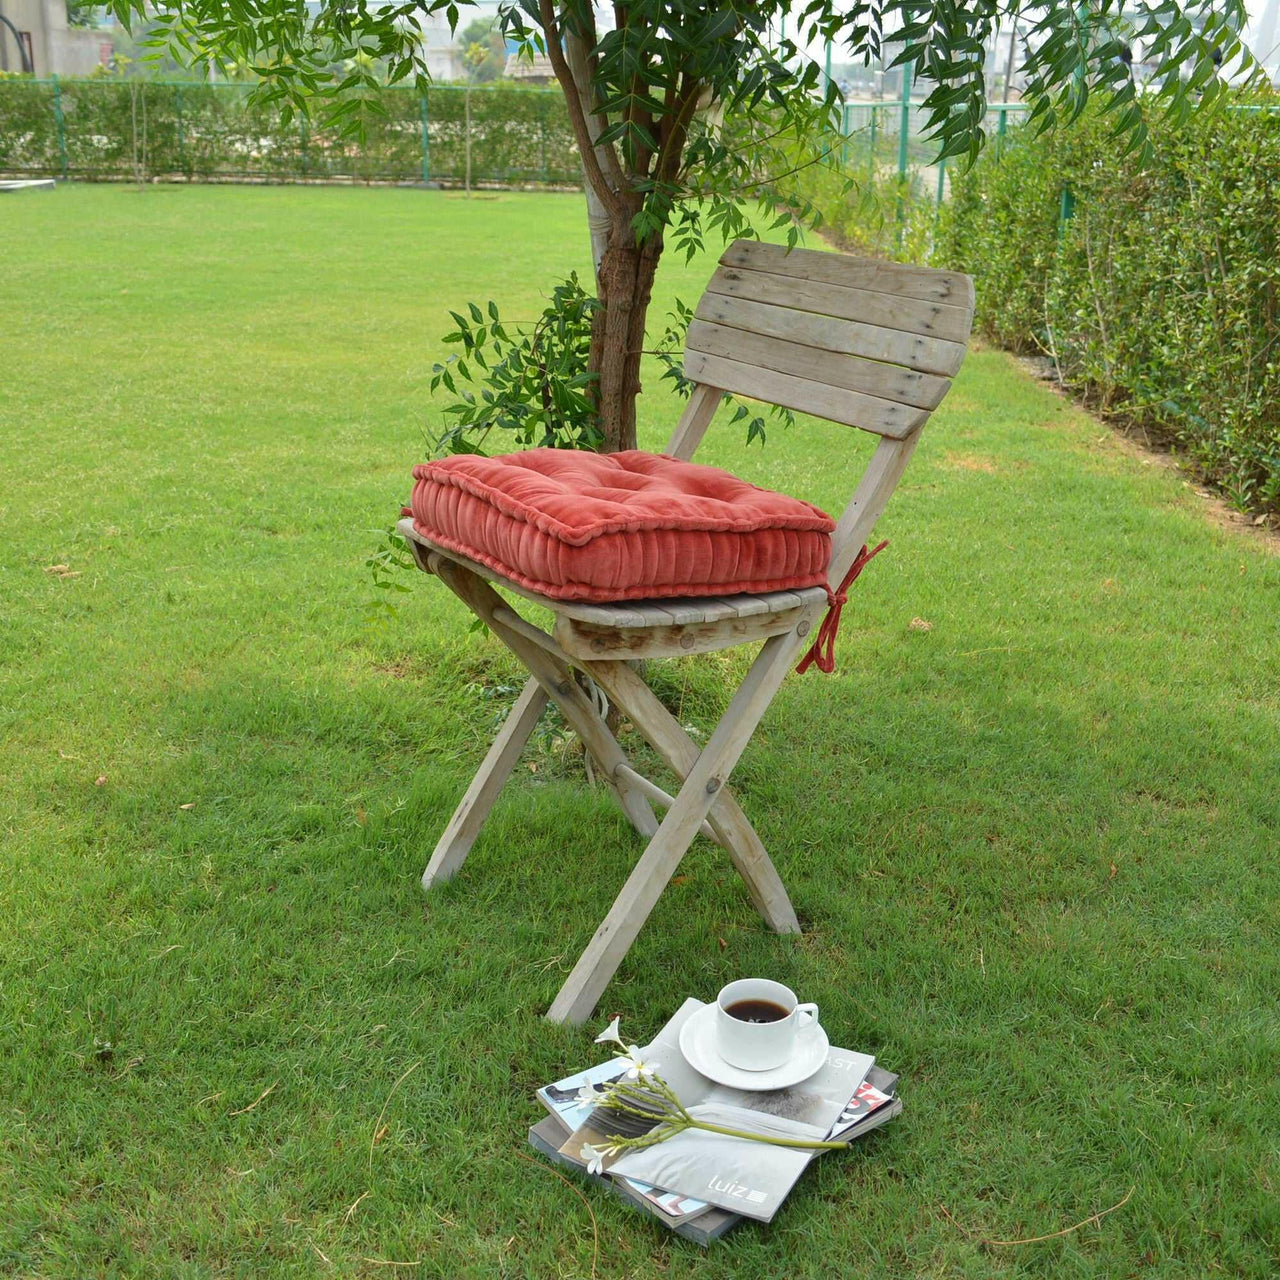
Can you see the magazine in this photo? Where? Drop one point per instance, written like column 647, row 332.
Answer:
column 750, row 1178
column 875, row 1092
column 564, row 1099
column 547, row 1137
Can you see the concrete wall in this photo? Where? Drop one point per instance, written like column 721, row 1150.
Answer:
column 56, row 48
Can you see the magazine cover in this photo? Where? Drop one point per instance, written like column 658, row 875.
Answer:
column 751, row 1178
column 875, row 1092
column 547, row 1137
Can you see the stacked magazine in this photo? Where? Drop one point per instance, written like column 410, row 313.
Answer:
column 701, row 1184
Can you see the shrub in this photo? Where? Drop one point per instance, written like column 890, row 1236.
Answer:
column 1159, row 295
column 866, row 206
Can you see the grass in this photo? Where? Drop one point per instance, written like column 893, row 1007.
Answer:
column 1034, row 845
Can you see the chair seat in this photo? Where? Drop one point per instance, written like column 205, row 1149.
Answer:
column 632, row 614
column 575, row 526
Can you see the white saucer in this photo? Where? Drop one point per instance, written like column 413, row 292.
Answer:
column 698, row 1044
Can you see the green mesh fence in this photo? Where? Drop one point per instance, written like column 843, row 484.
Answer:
column 109, row 129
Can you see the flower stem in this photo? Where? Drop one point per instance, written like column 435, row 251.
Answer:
column 802, row 1143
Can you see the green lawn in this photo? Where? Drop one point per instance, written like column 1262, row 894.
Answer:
column 1034, row 846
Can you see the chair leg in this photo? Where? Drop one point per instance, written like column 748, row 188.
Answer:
column 559, row 685
column 735, row 833
column 704, row 783
column 454, row 845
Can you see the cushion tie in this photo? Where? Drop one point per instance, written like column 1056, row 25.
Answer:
column 823, row 649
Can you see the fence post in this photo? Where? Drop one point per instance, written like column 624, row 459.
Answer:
column 426, row 145
column 942, row 176
column 62, row 125
column 1066, row 210
column 904, row 128
column 177, row 98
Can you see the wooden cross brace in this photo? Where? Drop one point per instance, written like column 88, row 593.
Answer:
column 704, row 802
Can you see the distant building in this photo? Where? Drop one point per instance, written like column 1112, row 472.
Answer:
column 537, row 71
column 440, row 49
column 1265, row 36
column 45, row 43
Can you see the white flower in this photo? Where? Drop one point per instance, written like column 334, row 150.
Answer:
column 637, row 1066
column 587, row 1096
column 610, row 1033
column 594, row 1158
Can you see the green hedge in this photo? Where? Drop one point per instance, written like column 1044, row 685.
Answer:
column 1158, row 293
column 88, row 129
column 885, row 213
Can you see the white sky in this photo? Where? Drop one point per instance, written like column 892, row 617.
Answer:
column 1264, row 20
column 1264, row 17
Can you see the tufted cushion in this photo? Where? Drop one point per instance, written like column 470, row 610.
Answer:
column 619, row 526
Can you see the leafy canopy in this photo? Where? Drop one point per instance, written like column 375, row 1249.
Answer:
column 646, row 69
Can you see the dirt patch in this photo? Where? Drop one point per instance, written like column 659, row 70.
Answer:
column 970, row 462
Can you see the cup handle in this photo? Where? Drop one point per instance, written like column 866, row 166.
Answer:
column 810, row 1015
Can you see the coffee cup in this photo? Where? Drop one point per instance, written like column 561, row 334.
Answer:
column 758, row 1022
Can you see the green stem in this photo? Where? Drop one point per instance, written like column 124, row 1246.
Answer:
column 806, row 1144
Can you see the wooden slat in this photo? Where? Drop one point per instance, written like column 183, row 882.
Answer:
column 778, row 597
column 835, row 368
column 742, row 605
column 747, row 606
column 925, row 283
column 910, row 315
column 711, row 770
column 455, row 843
column 884, row 417
column 662, row 731
column 693, row 609
column 927, row 355
column 657, row 795
column 713, row 608
column 697, row 415
column 588, row 642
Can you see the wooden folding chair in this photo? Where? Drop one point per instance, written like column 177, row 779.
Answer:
column 866, row 343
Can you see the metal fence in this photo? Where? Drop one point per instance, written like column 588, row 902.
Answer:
column 133, row 128
column 887, row 140
column 140, row 129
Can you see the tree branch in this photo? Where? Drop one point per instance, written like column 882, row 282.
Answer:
column 668, row 162
column 577, row 117
column 580, row 57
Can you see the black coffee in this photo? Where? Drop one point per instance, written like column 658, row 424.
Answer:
column 757, row 1011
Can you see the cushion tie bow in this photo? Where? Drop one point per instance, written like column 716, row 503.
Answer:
column 823, row 649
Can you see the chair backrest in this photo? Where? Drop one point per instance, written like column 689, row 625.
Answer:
column 866, row 343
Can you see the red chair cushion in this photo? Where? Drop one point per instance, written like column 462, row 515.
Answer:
column 619, row 526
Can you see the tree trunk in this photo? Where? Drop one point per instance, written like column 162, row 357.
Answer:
column 624, row 270
column 625, row 284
